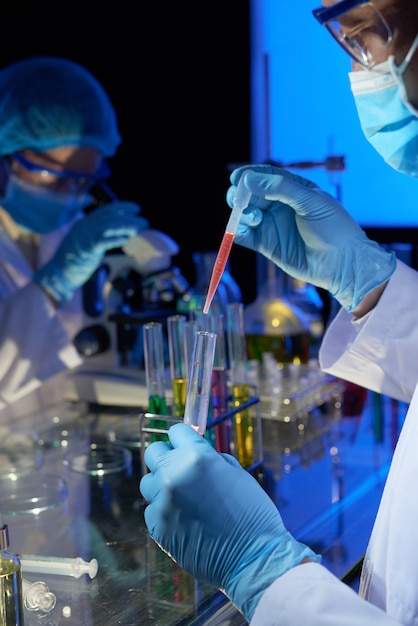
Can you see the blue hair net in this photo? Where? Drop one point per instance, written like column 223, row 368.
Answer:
column 48, row 102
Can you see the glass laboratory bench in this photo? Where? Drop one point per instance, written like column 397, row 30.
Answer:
column 70, row 488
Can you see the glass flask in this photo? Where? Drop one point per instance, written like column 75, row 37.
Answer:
column 273, row 323
column 306, row 298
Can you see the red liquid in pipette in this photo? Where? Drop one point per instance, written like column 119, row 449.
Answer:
column 219, row 267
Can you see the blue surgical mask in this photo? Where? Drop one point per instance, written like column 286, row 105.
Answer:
column 39, row 209
column 388, row 119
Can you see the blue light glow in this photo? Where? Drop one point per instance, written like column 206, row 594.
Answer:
column 303, row 110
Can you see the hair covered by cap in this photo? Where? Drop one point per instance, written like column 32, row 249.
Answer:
column 48, row 102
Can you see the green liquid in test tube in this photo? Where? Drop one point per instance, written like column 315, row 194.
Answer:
column 155, row 375
column 243, row 428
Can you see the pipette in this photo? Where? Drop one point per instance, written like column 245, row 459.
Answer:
column 66, row 566
column 240, row 202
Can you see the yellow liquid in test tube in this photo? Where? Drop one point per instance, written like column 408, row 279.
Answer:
column 179, row 386
column 176, row 329
column 243, row 426
column 243, row 429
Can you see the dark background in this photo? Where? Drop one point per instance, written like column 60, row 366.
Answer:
column 178, row 74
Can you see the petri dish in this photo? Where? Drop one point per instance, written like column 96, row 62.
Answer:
column 62, row 435
column 31, row 494
column 126, row 433
column 12, row 462
column 18, row 454
column 100, row 460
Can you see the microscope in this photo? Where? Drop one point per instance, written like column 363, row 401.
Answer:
column 133, row 285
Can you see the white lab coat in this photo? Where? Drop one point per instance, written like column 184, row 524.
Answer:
column 379, row 352
column 35, row 337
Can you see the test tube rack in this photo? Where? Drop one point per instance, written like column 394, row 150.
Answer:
column 169, row 588
column 151, row 427
column 301, row 390
column 300, row 417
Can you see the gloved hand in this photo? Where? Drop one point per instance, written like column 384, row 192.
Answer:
column 83, row 248
column 309, row 235
column 232, row 537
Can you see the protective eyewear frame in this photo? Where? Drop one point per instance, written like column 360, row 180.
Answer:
column 83, row 179
column 326, row 14
column 358, row 51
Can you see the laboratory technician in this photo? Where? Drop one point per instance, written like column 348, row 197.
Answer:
column 57, row 128
column 235, row 539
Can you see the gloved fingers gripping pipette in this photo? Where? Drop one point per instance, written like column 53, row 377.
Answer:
column 240, row 202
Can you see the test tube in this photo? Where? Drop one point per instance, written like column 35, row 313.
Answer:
column 200, row 381
column 237, row 349
column 155, row 374
column 178, row 361
column 190, row 327
column 215, row 322
column 37, row 597
column 65, row 566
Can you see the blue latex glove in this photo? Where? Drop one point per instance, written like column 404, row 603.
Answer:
column 215, row 520
column 309, row 235
column 83, row 248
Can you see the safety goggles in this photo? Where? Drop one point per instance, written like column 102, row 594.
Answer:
column 360, row 29
column 63, row 180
